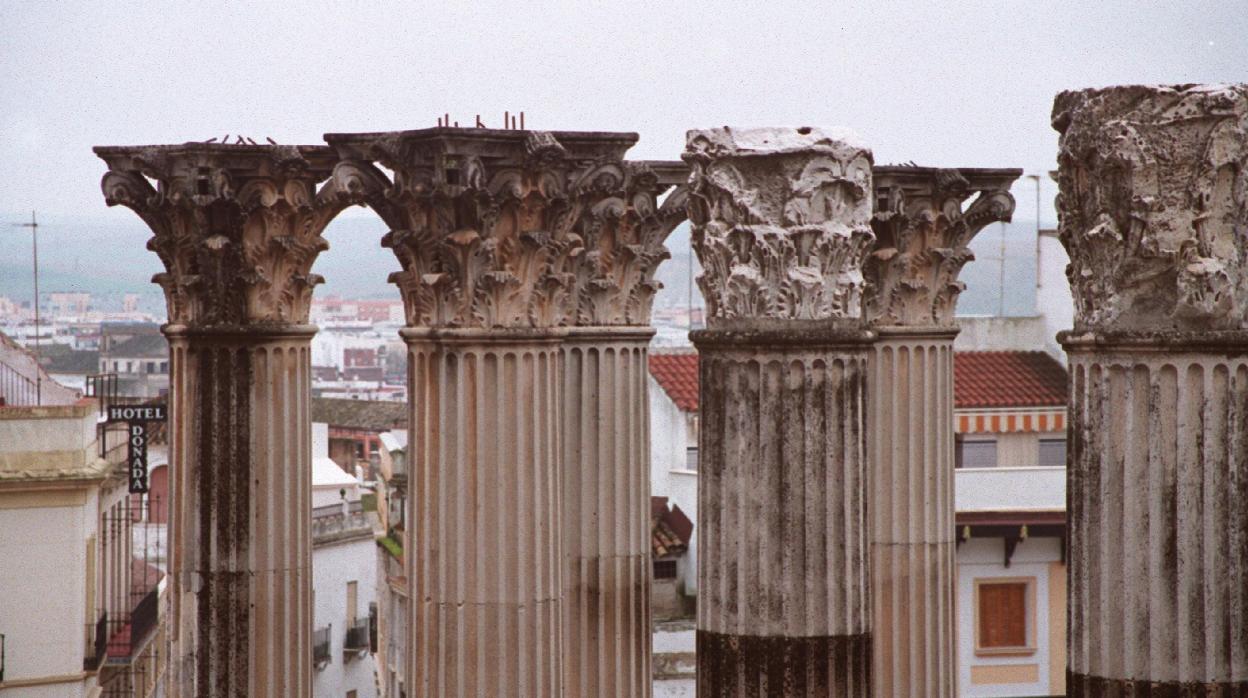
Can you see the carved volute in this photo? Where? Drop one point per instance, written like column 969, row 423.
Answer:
column 924, row 221
column 237, row 227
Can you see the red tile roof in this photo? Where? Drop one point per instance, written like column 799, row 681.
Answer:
column 677, row 374
column 670, row 530
column 1008, row 379
column 981, row 379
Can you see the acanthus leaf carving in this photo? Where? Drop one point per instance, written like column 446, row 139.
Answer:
column 923, row 228
column 781, row 222
column 529, row 232
column 237, row 227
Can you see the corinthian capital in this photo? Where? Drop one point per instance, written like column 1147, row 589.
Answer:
column 781, row 222
column 1153, row 206
column 490, row 226
column 236, row 226
column 622, row 228
column 925, row 219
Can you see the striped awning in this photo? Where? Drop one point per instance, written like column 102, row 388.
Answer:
column 1008, row 421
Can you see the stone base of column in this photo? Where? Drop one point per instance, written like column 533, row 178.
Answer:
column 783, row 578
column 606, row 513
column 751, row 665
column 1080, row 686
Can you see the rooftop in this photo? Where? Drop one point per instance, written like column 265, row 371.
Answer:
column 982, row 379
column 369, row 415
column 1008, row 379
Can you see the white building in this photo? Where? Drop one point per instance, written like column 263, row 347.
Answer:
column 674, row 445
column 344, row 583
column 69, row 612
column 1011, row 588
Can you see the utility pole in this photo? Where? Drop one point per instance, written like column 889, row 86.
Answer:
column 1001, row 297
column 691, row 255
column 1036, row 177
column 34, row 239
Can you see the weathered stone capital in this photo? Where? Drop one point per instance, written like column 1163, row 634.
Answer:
column 923, row 226
column 781, row 222
column 236, row 226
column 623, row 228
column 513, row 229
column 1153, row 206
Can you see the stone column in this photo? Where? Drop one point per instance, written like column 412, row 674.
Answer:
column 1153, row 209
column 781, row 224
column 237, row 228
column 922, row 230
column 606, row 483
column 485, row 225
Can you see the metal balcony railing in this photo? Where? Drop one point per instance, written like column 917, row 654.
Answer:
column 320, row 646
column 97, row 644
column 357, row 636
column 16, row 390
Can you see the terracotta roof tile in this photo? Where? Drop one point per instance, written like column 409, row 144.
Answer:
column 1008, row 379
column 670, row 529
column 677, row 374
column 981, row 379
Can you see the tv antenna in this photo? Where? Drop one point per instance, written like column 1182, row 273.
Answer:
column 34, row 247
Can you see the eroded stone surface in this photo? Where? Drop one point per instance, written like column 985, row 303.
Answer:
column 781, row 222
column 1154, row 212
column 1154, row 205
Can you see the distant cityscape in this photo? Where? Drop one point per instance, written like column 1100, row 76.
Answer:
column 357, row 353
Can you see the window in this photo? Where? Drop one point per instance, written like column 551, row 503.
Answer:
column 691, row 458
column 352, row 602
column 1003, row 616
column 975, row 454
column 1052, row 452
column 664, row 569
column 352, row 694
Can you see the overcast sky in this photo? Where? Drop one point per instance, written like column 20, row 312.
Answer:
column 949, row 84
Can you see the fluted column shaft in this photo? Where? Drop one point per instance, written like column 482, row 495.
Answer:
column 1158, row 505
column 241, row 552
column 606, row 493
column 911, row 479
column 1153, row 210
column 783, row 574
column 484, row 506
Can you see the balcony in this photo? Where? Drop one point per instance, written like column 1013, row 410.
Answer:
column 321, row 646
column 356, row 643
column 334, row 522
column 97, row 644
column 1033, row 489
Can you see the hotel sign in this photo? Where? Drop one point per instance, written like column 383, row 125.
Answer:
column 136, row 418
